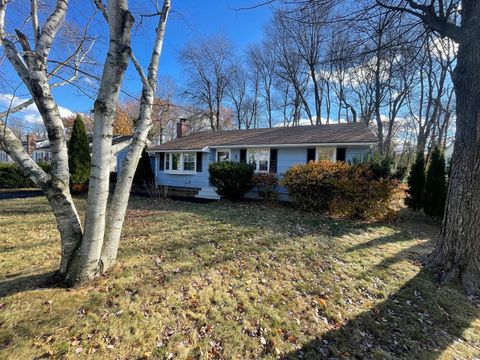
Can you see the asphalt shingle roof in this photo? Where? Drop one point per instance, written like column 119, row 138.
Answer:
column 315, row 134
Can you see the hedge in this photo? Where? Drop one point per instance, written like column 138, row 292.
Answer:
column 352, row 191
column 11, row 177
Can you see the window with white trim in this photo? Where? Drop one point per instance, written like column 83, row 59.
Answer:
column 259, row 158
column 223, row 155
column 326, row 153
column 180, row 162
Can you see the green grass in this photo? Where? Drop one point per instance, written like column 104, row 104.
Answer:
column 233, row 281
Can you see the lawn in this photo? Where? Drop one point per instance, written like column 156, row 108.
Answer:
column 233, row 281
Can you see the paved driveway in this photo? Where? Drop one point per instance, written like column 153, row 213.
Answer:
column 18, row 194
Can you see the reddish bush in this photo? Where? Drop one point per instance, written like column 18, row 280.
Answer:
column 351, row 191
column 359, row 194
column 312, row 185
column 266, row 184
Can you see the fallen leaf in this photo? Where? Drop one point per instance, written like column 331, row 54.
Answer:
column 323, row 302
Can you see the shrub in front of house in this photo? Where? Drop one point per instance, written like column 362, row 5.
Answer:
column 232, row 179
column 11, row 176
column 312, row 185
column 266, row 184
column 386, row 168
column 352, row 191
column 360, row 194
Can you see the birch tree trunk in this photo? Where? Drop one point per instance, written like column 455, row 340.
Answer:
column 121, row 194
column 32, row 70
column 86, row 262
column 82, row 251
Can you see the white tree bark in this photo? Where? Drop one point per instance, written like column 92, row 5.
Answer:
column 32, row 69
column 86, row 261
column 121, row 194
column 82, row 250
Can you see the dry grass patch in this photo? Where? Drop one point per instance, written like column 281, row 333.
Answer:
column 232, row 281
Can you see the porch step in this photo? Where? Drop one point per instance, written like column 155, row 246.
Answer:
column 208, row 193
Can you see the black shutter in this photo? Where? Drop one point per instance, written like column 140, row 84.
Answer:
column 161, row 163
column 341, row 154
column 273, row 160
column 243, row 155
column 310, row 154
column 199, row 161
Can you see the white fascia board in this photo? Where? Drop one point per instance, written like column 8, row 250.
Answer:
column 155, row 151
column 293, row 145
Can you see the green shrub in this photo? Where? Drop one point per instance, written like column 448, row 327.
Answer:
column 79, row 155
column 416, row 184
column 11, row 176
column 386, row 168
column 435, row 192
column 232, row 179
column 352, row 191
column 312, row 185
column 266, row 184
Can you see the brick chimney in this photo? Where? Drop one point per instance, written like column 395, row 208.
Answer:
column 31, row 143
column 182, row 128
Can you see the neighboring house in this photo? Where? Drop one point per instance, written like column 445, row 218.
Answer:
column 449, row 152
column 120, row 145
column 29, row 145
column 182, row 164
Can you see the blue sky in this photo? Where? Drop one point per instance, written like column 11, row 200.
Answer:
column 190, row 19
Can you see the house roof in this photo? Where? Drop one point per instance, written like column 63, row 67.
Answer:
column 287, row 136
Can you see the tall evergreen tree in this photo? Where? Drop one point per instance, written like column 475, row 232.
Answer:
column 435, row 185
column 416, row 183
column 79, row 153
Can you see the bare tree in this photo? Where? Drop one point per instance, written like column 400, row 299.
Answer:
column 208, row 65
column 308, row 30
column 290, row 66
column 262, row 59
column 237, row 92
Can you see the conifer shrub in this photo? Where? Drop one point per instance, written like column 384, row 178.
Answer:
column 232, row 179
column 79, row 156
column 435, row 192
column 416, row 184
column 12, row 177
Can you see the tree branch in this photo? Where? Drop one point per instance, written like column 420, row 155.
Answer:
column 50, row 29
column 427, row 14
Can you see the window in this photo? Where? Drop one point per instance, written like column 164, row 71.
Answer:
column 175, row 161
column 189, row 162
column 223, row 155
column 180, row 162
column 260, row 159
column 326, row 153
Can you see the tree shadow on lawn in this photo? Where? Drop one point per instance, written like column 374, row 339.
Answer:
column 419, row 321
column 20, row 284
